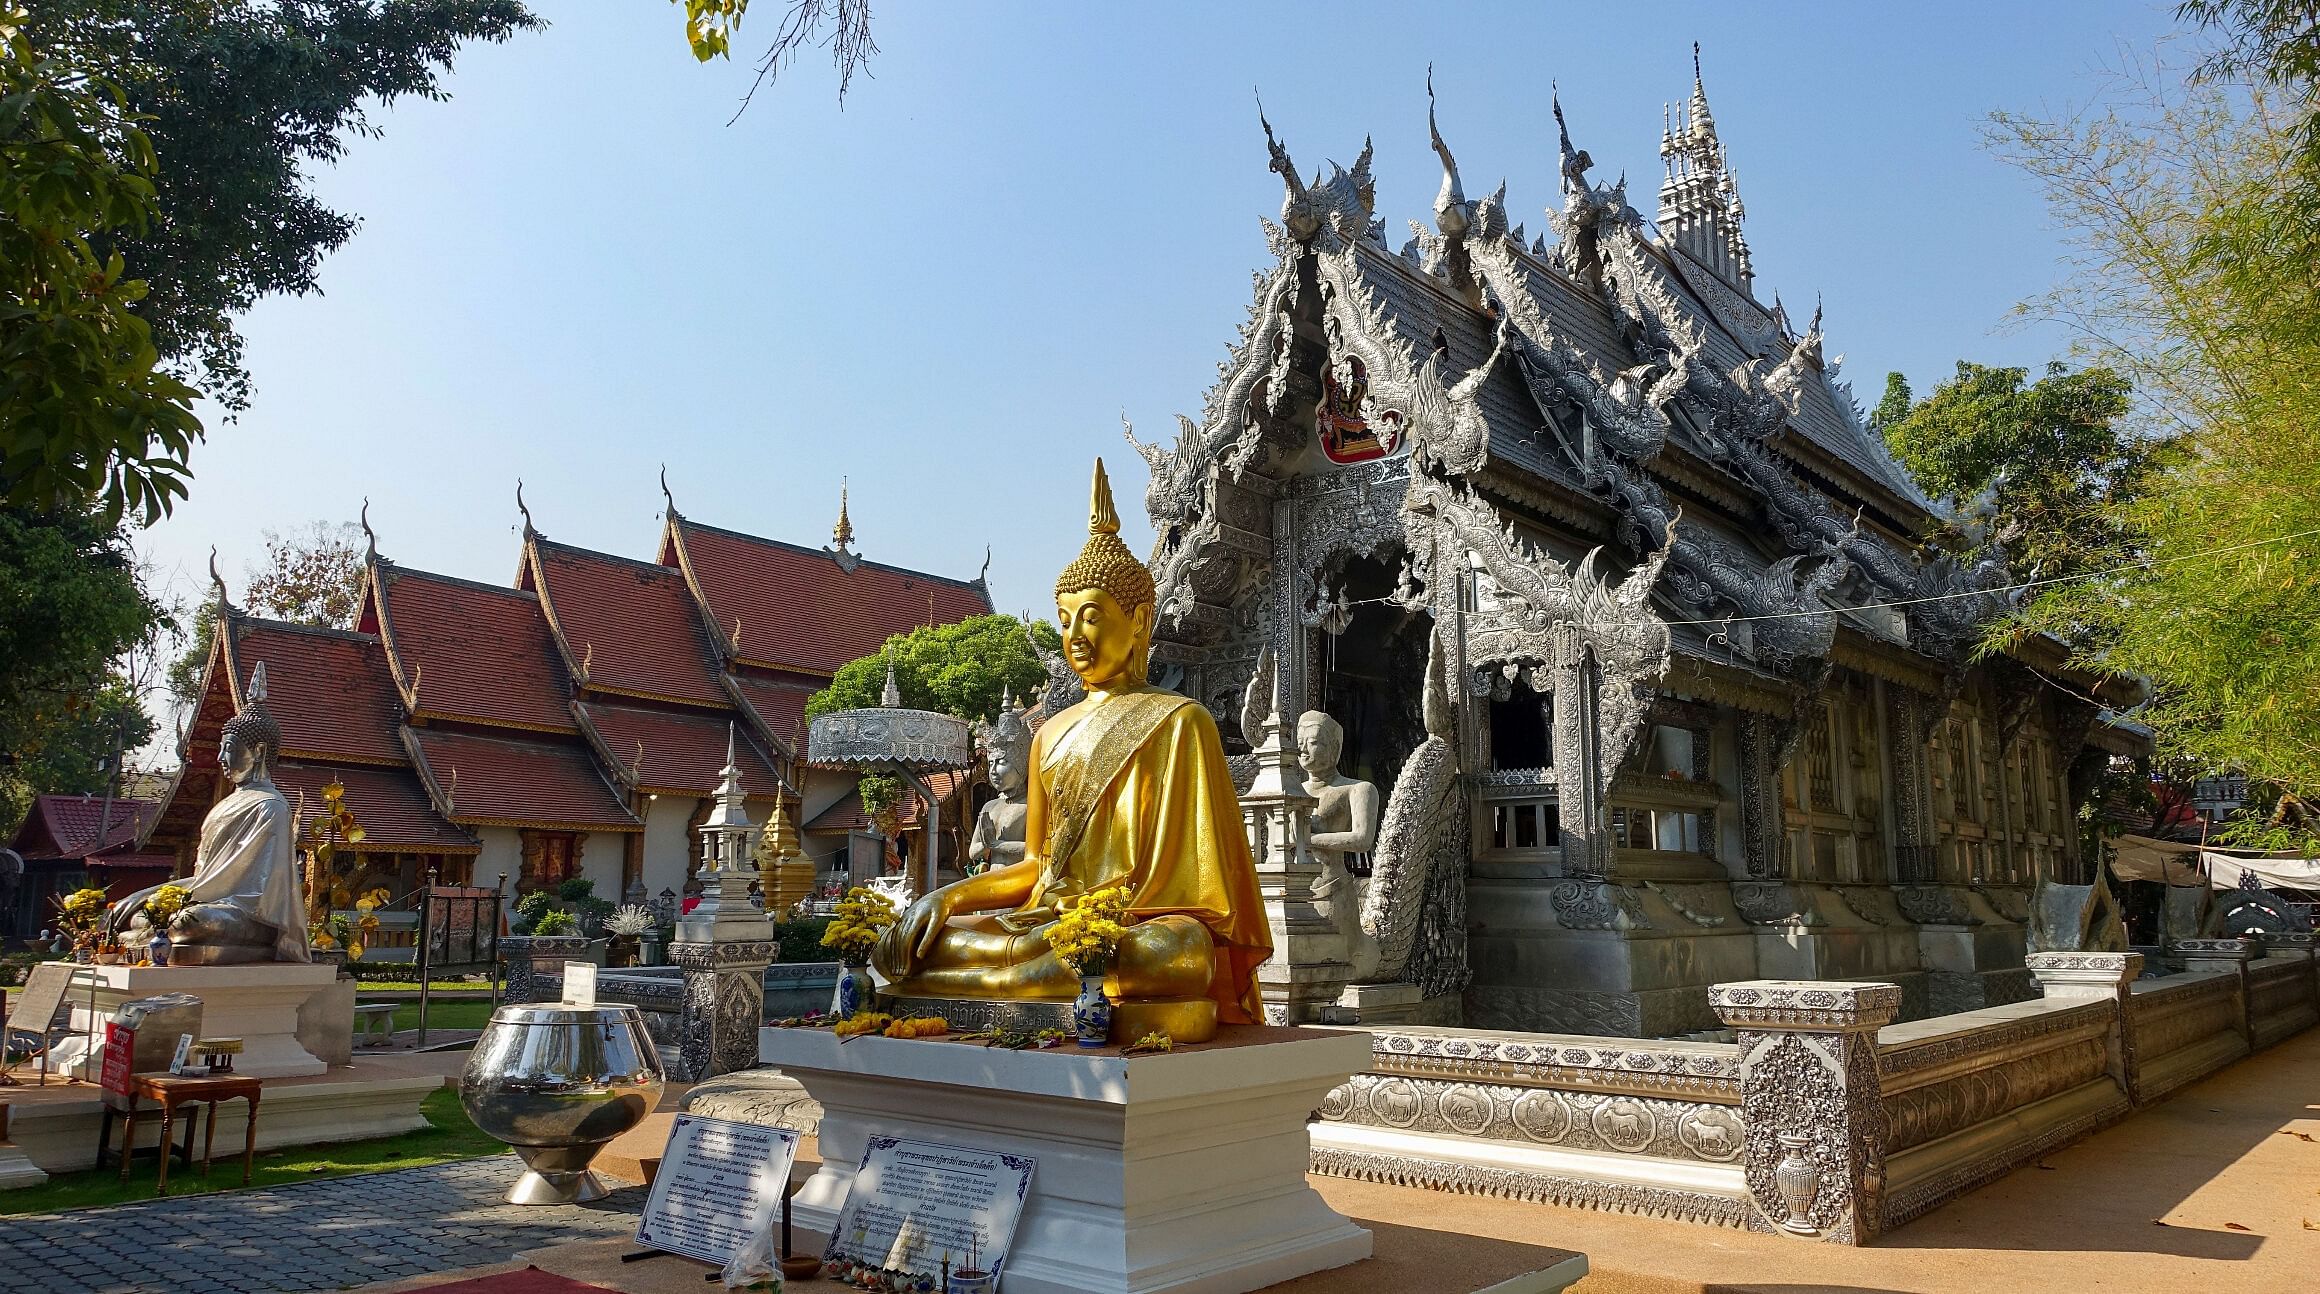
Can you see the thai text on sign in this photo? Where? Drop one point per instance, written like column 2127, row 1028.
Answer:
column 719, row 1184
column 919, row 1207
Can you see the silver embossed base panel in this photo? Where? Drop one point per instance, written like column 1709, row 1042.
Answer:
column 974, row 1015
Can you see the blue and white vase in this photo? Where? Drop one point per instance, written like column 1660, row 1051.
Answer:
column 853, row 986
column 157, row 952
column 1091, row 1012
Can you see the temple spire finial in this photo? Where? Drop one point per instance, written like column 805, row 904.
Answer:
column 529, row 532
column 666, row 497
column 217, row 581
column 842, row 534
column 890, row 696
column 370, row 537
column 1450, row 212
column 1699, row 202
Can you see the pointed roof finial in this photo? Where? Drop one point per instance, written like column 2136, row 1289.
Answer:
column 370, row 537
column 983, row 577
column 218, row 581
column 1452, row 198
column 1702, row 122
column 843, row 533
column 891, row 696
column 528, row 531
column 255, row 694
column 666, row 497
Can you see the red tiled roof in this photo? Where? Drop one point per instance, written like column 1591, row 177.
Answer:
column 628, row 626
column 779, row 704
column 328, row 688
column 471, row 651
column 681, row 751
column 515, row 782
column 66, row 826
column 800, row 608
column 847, row 814
column 388, row 803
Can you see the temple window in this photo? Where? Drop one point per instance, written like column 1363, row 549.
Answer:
column 1821, row 761
column 1520, row 730
column 1662, row 830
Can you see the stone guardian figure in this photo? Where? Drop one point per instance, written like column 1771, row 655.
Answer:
column 999, row 828
column 245, row 905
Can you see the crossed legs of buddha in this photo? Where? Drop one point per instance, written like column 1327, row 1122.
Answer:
column 1160, row 974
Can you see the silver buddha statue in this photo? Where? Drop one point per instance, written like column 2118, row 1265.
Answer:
column 999, row 829
column 245, row 905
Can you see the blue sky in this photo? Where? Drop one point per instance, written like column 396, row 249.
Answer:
column 1031, row 220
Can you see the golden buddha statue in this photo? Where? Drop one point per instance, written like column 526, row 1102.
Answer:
column 1129, row 787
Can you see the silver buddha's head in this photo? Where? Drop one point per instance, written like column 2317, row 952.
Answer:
column 1320, row 742
column 249, row 741
column 1007, row 750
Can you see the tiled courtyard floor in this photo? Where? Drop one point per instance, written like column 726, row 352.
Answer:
column 324, row 1235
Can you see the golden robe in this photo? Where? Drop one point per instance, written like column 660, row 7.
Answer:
column 1159, row 815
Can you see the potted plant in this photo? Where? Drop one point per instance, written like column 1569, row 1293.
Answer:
column 1084, row 937
column 161, row 908
column 863, row 916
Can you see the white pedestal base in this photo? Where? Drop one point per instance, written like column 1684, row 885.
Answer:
column 257, row 1003
column 1181, row 1172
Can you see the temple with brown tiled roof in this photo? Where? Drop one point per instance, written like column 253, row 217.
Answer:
column 70, row 841
column 572, row 723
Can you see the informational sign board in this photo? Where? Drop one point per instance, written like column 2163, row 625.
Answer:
column 120, row 1063
column 917, row 1206
column 40, row 999
column 184, row 1049
column 580, row 984
column 720, row 1184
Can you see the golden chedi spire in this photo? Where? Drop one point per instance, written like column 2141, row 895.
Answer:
column 784, row 876
column 843, row 533
column 1104, row 562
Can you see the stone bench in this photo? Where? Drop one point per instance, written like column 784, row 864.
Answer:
column 374, row 1023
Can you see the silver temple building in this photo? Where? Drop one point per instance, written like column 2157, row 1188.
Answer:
column 1717, row 714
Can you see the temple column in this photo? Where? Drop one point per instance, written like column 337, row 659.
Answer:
column 1810, row 1106
column 1913, row 845
column 1579, row 775
column 1761, row 820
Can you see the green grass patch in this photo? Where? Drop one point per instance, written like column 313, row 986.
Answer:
column 442, row 1013
column 452, row 1137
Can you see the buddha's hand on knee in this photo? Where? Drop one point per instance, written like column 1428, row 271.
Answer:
column 923, row 924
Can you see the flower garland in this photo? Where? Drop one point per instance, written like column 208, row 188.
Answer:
column 863, row 916
column 163, row 905
column 1088, row 932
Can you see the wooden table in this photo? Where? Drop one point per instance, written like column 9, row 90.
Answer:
column 172, row 1090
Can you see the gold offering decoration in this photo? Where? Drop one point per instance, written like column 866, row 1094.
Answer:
column 863, row 916
column 1130, row 793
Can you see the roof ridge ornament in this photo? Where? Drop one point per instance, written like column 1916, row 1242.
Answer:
column 842, row 534
column 529, row 532
column 218, row 582
column 666, row 497
column 1452, row 215
column 370, row 537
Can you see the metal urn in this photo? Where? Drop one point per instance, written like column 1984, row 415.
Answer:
column 556, row 1083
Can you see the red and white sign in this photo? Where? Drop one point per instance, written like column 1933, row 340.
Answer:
column 120, row 1058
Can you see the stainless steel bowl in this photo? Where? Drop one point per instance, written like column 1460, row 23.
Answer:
column 556, row 1083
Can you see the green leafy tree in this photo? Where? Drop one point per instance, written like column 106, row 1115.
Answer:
column 243, row 102
column 71, row 607
column 2169, row 187
column 959, row 669
column 86, row 414
column 2051, row 460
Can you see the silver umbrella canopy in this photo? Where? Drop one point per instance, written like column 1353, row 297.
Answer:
column 892, row 739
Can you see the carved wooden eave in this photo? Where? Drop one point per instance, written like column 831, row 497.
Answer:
column 1701, row 678
column 1877, row 658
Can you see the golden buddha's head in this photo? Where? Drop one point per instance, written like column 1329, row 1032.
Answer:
column 1104, row 602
